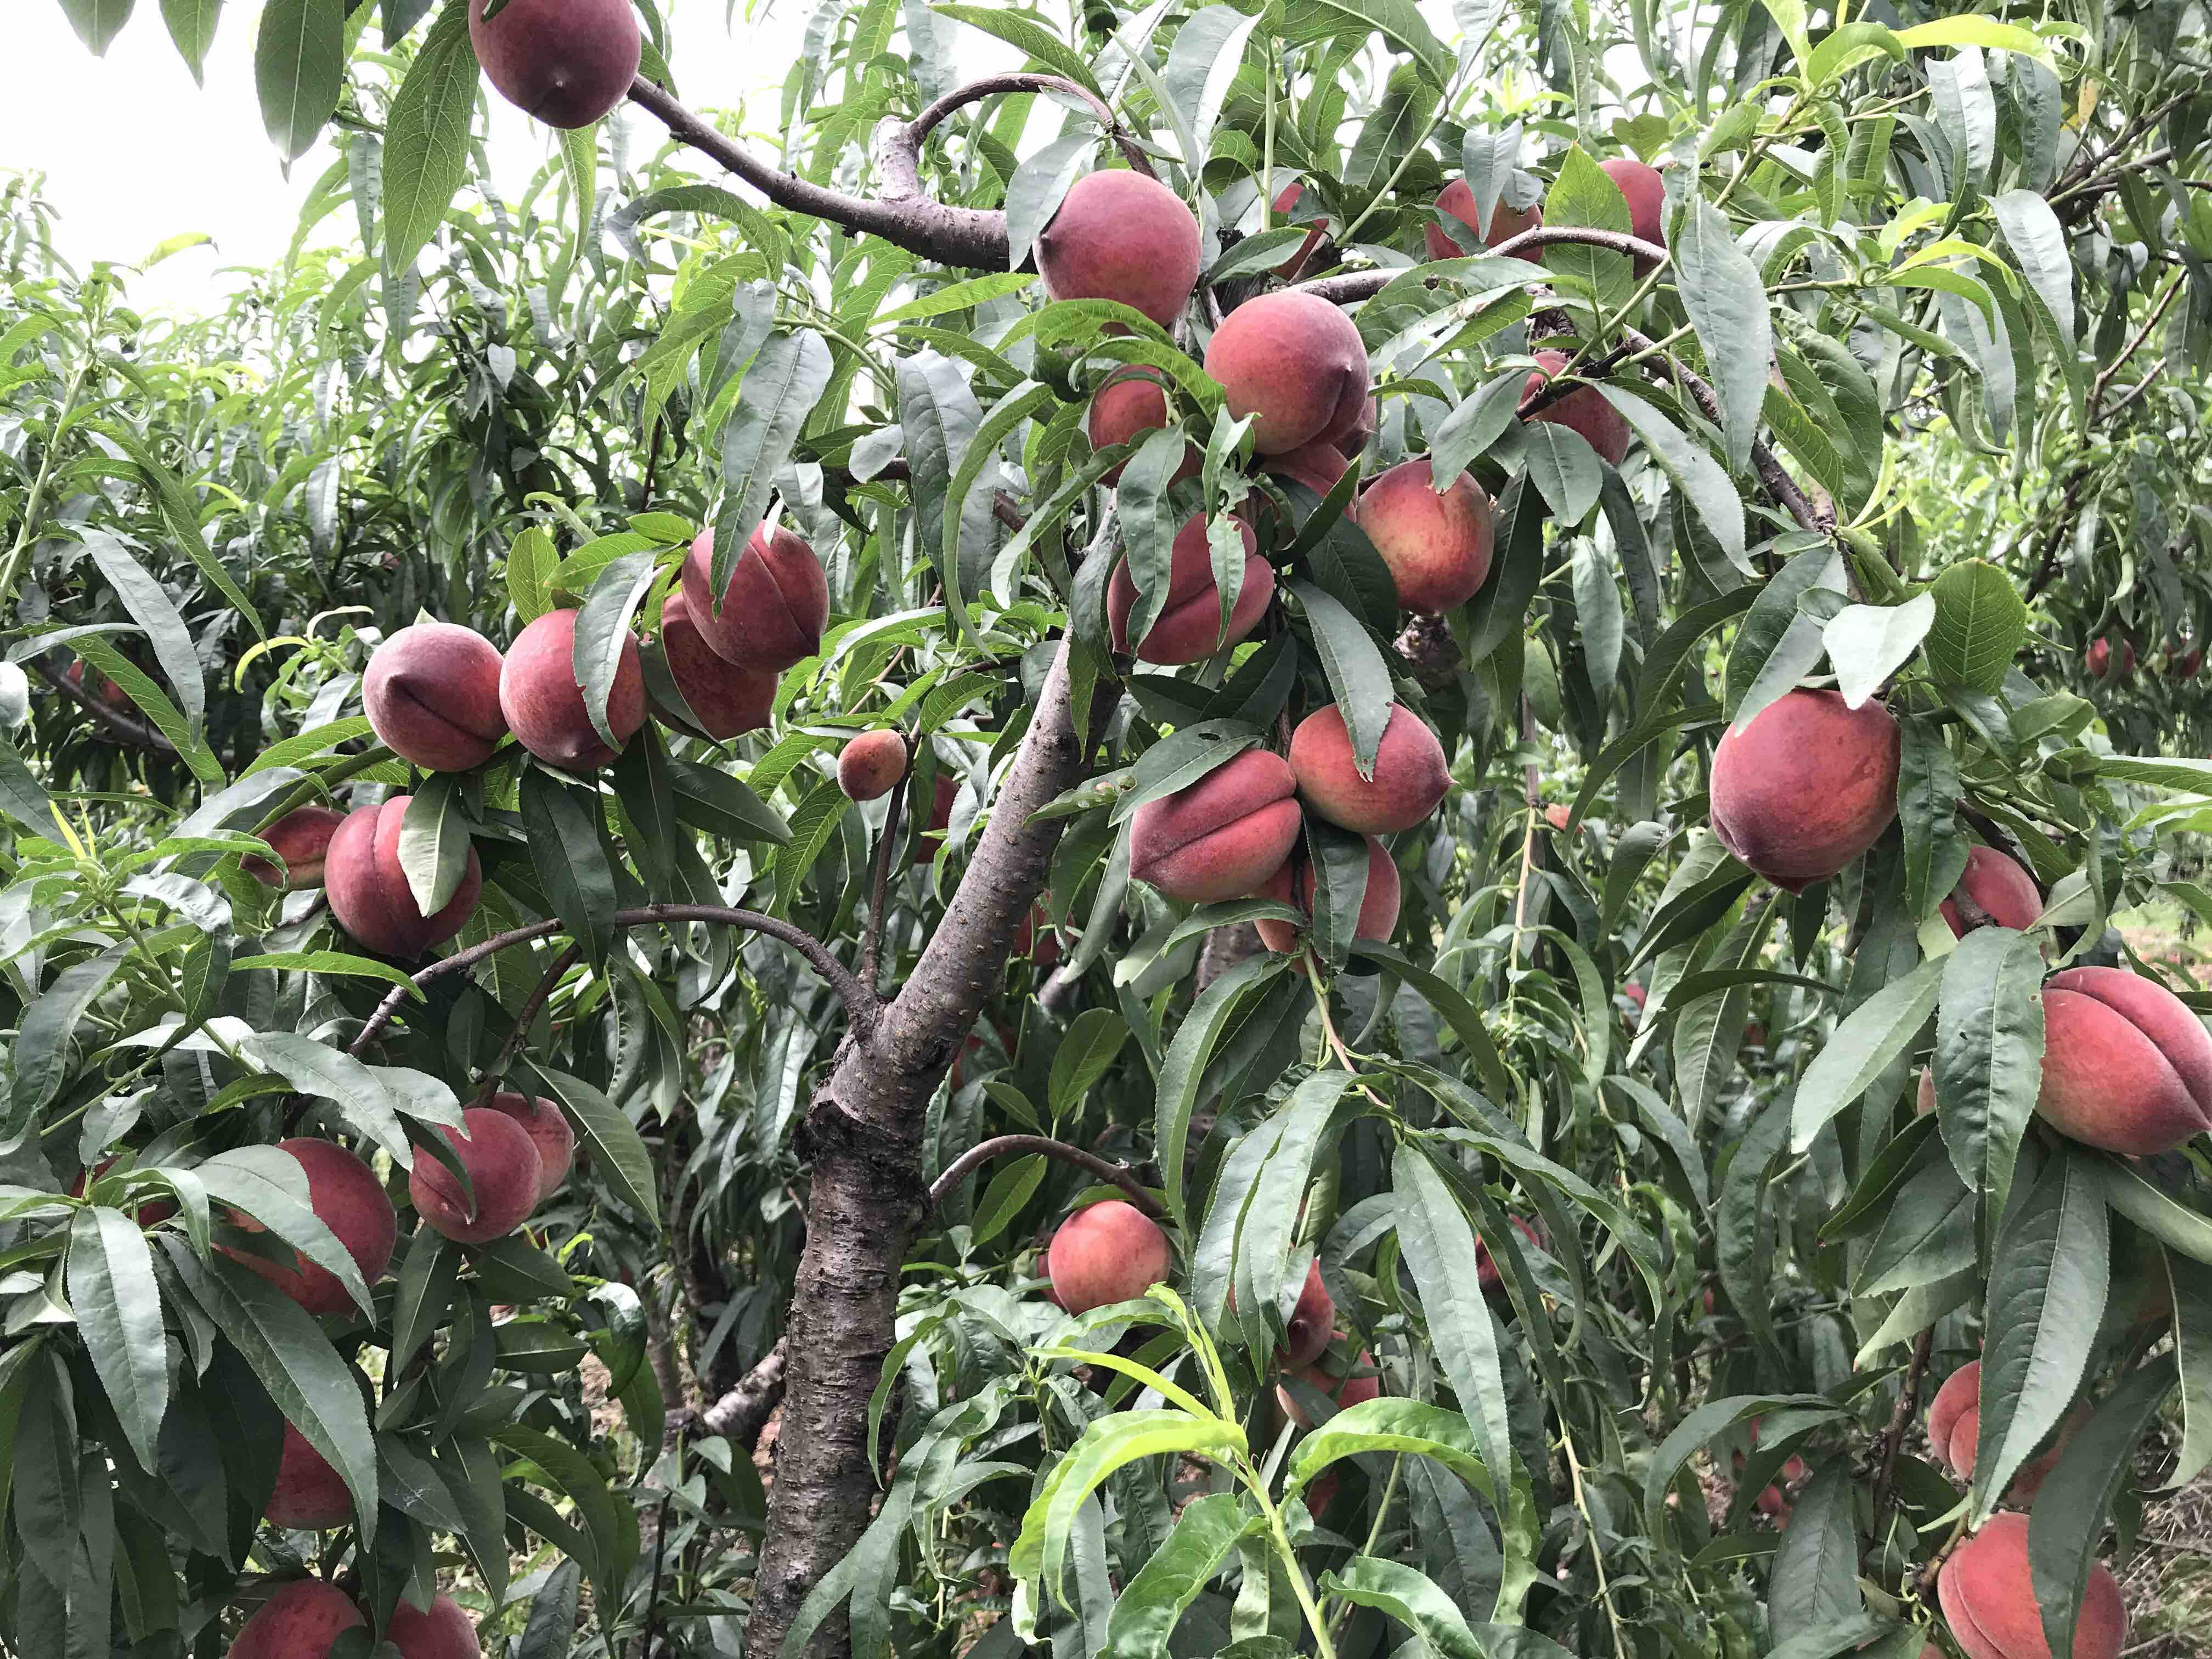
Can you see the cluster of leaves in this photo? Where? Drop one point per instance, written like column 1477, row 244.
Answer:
column 1954, row 240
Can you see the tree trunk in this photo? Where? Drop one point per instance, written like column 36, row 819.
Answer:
column 863, row 1136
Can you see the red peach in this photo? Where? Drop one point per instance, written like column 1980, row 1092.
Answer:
column 549, row 1133
column 432, row 697
column 1306, row 1333
column 871, row 765
column 565, row 62
column 2003, row 891
column 1378, row 904
column 444, row 1632
column 1954, row 1427
column 544, row 700
column 1458, row 201
column 1220, row 837
column 1131, row 403
column 2100, row 657
column 1988, row 1599
column 299, row 1621
column 369, row 894
column 501, row 1160
column 772, row 611
column 1120, row 235
column 726, row 700
column 347, row 1197
column 1349, row 1390
column 302, row 840
column 311, row 1496
column 1646, row 192
column 1107, row 1253
column 1438, row 546
column 1411, row 776
column 1584, row 410
column 1188, row 628
column 2126, row 1064
column 1807, row 787
column 1295, row 364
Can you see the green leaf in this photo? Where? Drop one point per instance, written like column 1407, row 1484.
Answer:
column 603, row 639
column 1183, row 1069
column 1410, row 1597
column 2192, row 1345
column 1989, row 1058
column 119, row 1313
column 427, row 1279
column 531, row 562
column 1565, row 469
column 1778, row 644
column 1470, row 430
column 1357, row 677
column 813, row 826
column 1705, row 484
column 2048, row 1285
column 723, row 806
column 1727, row 302
column 153, row 610
column 2172, row 1223
column 1814, row 1580
column 97, row 22
column 571, row 862
column 48, row 1025
column 1386, row 1424
column 1981, row 624
column 610, row 1526
column 1010, row 1189
column 1085, row 1054
column 1439, row 1247
column 1868, row 643
column 617, row 1150
column 434, row 842
column 1874, row 1034
column 426, row 142
column 1927, row 792
column 1145, row 1612
column 294, row 1362
column 299, row 64
column 2067, row 1525
column 1926, row 1234
column 1969, row 29
column 267, row 1183
column 1022, row 32
column 786, row 380
column 1582, row 196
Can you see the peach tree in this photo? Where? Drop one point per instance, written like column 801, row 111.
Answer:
column 1310, row 816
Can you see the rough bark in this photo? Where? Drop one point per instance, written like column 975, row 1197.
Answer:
column 743, row 1413
column 863, row 1134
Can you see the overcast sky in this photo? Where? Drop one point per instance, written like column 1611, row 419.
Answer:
column 135, row 154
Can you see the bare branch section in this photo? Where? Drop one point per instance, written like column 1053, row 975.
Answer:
column 113, row 722
column 898, row 149
column 861, row 1004
column 743, row 1413
column 1007, row 1145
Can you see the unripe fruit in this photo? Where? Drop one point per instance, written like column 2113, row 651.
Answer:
column 1646, row 191
column 300, row 1621
column 503, row 1169
column 726, row 700
column 1188, row 628
column 1221, row 837
column 1131, row 403
column 347, row 1197
column 1438, row 546
column 1410, row 776
column 871, row 765
column 1294, row 362
column 432, row 697
column 1457, row 200
column 1584, row 410
column 1119, row 235
column 543, row 701
column 1306, row 1333
column 774, row 608
column 1807, row 787
column 1378, row 904
column 1997, row 885
column 1346, row 1391
column 369, row 894
column 2101, row 657
column 1988, row 1599
column 2126, row 1066
column 1107, row 1253
column 549, row 1133
column 310, row 1495
column 565, row 62
column 444, row 1632
column 1954, row 1426
column 302, row 840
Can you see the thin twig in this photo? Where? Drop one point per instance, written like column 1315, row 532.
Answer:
column 1771, row 473
column 117, row 724
column 898, row 150
column 523, row 1021
column 1000, row 1146
column 871, row 947
column 1908, row 1406
column 2105, row 377
column 861, row 1005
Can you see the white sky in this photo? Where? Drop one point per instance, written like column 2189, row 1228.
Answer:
column 135, row 154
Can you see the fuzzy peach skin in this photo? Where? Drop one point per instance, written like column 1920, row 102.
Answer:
column 431, row 694
column 1988, row 1599
column 1378, row 903
column 1584, row 410
column 871, row 765
column 1188, row 628
column 1307, row 1331
column 1954, row 1425
column 310, row 1495
column 1107, row 1253
column 444, row 1632
column 2126, row 1066
column 1347, row 1391
column 1119, row 235
column 1438, row 546
column 1646, row 192
column 543, row 701
column 1806, row 787
column 368, row 891
column 726, row 700
column 549, row 1132
column 1458, row 200
column 1221, row 837
column 503, row 1168
column 1294, row 362
column 1410, row 776
column 2101, row 657
column 1131, row 403
column 1994, row 882
column 772, row 611
column 1316, row 465
column 303, row 839
column 565, row 62
column 345, row 1195
column 299, row 1621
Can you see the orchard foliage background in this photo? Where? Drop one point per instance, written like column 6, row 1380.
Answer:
column 1606, row 1157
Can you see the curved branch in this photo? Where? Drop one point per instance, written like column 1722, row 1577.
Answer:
column 972, row 237
column 117, row 724
column 1771, row 473
column 860, row 1005
column 898, row 149
column 964, row 1165
column 523, row 1021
